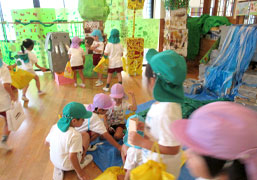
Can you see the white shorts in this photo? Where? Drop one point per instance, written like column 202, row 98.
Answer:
column 133, row 159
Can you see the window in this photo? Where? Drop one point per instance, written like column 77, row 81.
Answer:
column 148, row 9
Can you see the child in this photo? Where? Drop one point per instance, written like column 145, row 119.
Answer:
column 77, row 59
column 131, row 155
column 67, row 146
column 98, row 49
column 165, row 73
column 221, row 138
column 28, row 59
column 6, row 96
column 116, row 115
column 95, row 126
column 114, row 51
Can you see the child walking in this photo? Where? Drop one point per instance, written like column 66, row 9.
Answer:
column 77, row 60
column 114, row 51
column 68, row 147
column 116, row 115
column 6, row 96
column 28, row 59
column 94, row 126
column 221, row 140
column 98, row 49
column 165, row 74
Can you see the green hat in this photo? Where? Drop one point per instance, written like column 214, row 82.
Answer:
column 115, row 36
column 71, row 111
column 170, row 70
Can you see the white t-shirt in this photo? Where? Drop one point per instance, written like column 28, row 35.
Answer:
column 100, row 47
column 63, row 143
column 133, row 159
column 114, row 53
column 5, row 100
column 157, row 124
column 94, row 124
column 76, row 56
column 116, row 115
column 32, row 60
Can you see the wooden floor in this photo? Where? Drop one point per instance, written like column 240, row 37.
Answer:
column 29, row 159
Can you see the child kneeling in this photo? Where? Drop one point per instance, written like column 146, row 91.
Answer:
column 67, row 146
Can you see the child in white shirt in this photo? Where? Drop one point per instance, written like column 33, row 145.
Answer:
column 165, row 73
column 94, row 126
column 27, row 59
column 6, row 96
column 68, row 147
column 98, row 50
column 114, row 51
column 77, row 59
column 116, row 115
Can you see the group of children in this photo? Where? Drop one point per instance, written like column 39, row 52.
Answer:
column 220, row 137
column 113, row 50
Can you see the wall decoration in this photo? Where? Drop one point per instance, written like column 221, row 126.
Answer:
column 136, row 4
column 242, row 8
column 253, row 8
column 178, row 19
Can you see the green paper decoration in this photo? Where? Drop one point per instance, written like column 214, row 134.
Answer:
column 176, row 4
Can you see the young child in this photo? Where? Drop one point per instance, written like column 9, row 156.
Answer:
column 28, row 59
column 67, row 146
column 165, row 73
column 77, row 59
column 115, row 121
column 221, row 140
column 94, row 126
column 6, row 96
column 131, row 155
column 98, row 49
column 114, row 51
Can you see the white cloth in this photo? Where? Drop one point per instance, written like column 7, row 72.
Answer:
column 5, row 99
column 114, row 52
column 32, row 60
column 76, row 56
column 94, row 124
column 116, row 115
column 100, row 47
column 133, row 159
column 157, row 124
column 63, row 143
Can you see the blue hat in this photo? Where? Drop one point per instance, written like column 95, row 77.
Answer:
column 115, row 36
column 98, row 33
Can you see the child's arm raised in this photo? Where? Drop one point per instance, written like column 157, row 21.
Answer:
column 133, row 107
column 75, row 163
column 145, row 143
column 110, row 139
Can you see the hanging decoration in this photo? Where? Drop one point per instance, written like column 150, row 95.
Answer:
column 176, row 4
column 136, row 4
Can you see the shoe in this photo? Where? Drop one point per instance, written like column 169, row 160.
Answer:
column 3, row 145
column 40, row 93
column 24, row 98
column 92, row 147
column 106, row 89
column 100, row 83
column 82, row 85
column 88, row 158
column 58, row 174
column 75, row 84
column 97, row 81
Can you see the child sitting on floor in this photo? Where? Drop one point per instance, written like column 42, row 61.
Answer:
column 67, row 146
column 116, row 115
column 94, row 126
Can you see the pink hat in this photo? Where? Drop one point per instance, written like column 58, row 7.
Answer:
column 75, row 42
column 117, row 91
column 101, row 101
column 223, row 130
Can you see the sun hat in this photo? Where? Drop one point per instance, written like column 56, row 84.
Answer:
column 117, row 91
column 114, row 36
column 101, row 101
column 75, row 42
column 223, row 130
column 170, row 71
column 98, row 33
column 73, row 110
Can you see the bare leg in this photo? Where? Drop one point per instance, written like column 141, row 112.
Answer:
column 109, row 78
column 37, row 82
column 118, row 133
column 24, row 90
column 93, row 136
column 127, row 175
column 119, row 77
column 81, row 76
column 6, row 132
column 75, row 76
column 100, row 76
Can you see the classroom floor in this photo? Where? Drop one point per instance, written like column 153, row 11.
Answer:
column 29, row 159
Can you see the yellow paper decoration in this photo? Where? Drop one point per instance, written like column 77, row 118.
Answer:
column 136, row 4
